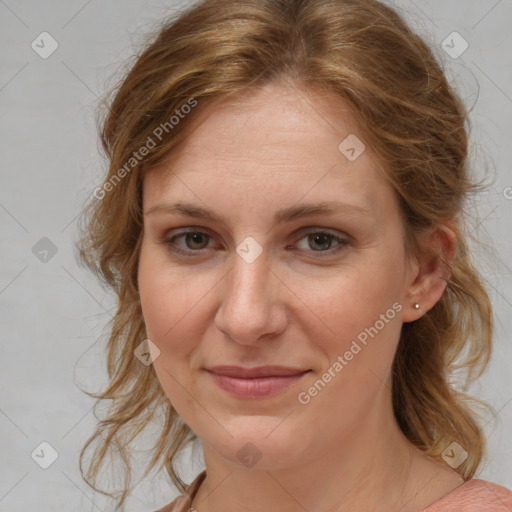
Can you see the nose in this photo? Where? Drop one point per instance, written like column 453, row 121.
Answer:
column 251, row 301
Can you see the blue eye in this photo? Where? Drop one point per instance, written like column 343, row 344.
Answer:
column 196, row 241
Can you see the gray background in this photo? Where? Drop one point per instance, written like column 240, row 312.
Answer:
column 53, row 312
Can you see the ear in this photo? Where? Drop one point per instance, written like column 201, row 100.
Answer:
column 431, row 270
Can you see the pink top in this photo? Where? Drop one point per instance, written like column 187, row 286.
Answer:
column 472, row 496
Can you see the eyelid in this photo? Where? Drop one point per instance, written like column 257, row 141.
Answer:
column 178, row 233
column 306, row 230
column 341, row 237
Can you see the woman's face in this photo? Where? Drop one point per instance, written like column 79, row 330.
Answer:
column 276, row 282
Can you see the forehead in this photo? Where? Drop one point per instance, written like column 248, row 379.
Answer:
column 278, row 123
column 278, row 137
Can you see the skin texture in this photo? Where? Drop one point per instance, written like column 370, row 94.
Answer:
column 299, row 307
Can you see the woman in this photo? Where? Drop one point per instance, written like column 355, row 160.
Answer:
column 282, row 222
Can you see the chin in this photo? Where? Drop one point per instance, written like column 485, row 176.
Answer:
column 256, row 442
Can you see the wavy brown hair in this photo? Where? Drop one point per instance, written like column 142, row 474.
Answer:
column 361, row 53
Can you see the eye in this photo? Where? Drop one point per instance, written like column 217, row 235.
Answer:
column 318, row 241
column 194, row 242
column 321, row 242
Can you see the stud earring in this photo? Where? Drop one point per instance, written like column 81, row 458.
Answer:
column 416, row 306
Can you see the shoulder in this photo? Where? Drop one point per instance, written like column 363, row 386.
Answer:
column 475, row 495
column 182, row 502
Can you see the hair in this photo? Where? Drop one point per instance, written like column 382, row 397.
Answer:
column 363, row 54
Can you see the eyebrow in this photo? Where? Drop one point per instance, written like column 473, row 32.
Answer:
column 284, row 215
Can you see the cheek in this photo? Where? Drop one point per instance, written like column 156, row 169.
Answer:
column 174, row 303
column 357, row 364
column 154, row 301
column 363, row 314
column 357, row 297
column 165, row 306
column 166, row 294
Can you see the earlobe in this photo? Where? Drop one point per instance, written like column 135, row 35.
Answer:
column 433, row 271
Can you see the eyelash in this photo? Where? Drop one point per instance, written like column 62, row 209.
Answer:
column 170, row 244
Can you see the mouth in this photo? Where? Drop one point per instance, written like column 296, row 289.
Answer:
column 258, row 382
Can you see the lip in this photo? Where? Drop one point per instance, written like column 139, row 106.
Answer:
column 257, row 382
